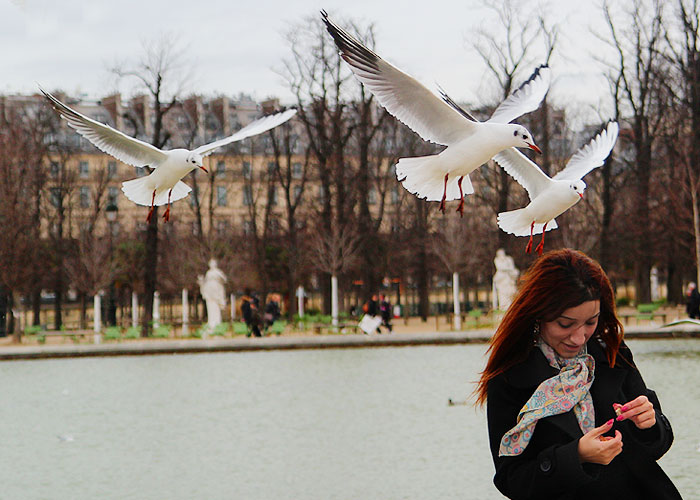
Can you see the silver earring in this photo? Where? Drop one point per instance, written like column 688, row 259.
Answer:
column 535, row 331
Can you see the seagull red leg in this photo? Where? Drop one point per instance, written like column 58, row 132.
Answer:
column 460, row 208
column 150, row 212
column 166, row 215
column 528, row 248
column 444, row 195
column 540, row 247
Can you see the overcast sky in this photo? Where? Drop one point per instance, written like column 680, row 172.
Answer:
column 237, row 46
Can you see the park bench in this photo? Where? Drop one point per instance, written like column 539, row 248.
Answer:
column 645, row 312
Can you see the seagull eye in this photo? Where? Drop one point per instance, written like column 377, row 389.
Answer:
column 525, row 137
column 515, row 133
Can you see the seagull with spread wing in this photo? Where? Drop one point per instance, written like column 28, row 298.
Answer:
column 163, row 186
column 551, row 197
column 470, row 143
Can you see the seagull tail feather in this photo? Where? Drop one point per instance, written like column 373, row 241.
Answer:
column 518, row 222
column 424, row 177
column 140, row 191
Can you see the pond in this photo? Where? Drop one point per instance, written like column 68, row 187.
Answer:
column 318, row 424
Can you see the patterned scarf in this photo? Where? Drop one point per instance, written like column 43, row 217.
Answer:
column 558, row 394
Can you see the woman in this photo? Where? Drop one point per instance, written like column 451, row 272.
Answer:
column 557, row 377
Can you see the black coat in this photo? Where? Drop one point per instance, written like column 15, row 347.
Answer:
column 549, row 468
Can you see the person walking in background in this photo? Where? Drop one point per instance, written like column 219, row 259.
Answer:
column 563, row 394
column 692, row 304
column 251, row 313
column 272, row 310
column 385, row 311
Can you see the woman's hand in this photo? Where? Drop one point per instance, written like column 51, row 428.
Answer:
column 639, row 410
column 595, row 448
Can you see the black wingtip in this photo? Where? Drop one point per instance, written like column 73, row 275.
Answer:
column 455, row 106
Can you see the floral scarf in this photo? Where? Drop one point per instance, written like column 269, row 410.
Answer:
column 570, row 388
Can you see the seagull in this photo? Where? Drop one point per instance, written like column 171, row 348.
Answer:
column 551, row 197
column 470, row 143
column 163, row 185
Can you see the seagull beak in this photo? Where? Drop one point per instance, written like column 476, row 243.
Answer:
column 205, row 170
column 581, row 195
column 535, row 148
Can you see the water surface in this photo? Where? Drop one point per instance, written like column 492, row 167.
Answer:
column 319, row 424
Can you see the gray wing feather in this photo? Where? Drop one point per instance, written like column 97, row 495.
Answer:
column 590, row 156
column 526, row 98
column 524, row 171
column 400, row 94
column 257, row 127
column 105, row 138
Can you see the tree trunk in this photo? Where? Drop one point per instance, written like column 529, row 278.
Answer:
column 150, row 274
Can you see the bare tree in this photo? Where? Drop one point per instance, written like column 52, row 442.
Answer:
column 160, row 73
column 317, row 78
column 637, row 38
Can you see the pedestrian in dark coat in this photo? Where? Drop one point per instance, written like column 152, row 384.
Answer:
column 557, row 376
column 692, row 305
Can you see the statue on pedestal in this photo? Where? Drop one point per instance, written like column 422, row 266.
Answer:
column 212, row 289
column 504, row 280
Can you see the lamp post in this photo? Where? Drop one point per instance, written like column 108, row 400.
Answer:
column 111, row 212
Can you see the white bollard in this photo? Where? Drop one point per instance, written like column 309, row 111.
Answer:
column 97, row 317
column 156, row 309
column 233, row 308
column 185, row 313
column 334, row 300
column 134, row 310
column 300, row 301
column 455, row 299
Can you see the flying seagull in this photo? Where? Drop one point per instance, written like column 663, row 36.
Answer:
column 551, row 197
column 163, row 186
column 470, row 143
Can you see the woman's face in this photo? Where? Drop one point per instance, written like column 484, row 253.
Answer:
column 571, row 330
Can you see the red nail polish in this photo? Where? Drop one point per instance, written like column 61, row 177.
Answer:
column 620, row 418
column 625, row 408
column 609, row 422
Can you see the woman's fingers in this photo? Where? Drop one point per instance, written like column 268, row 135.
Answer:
column 640, row 410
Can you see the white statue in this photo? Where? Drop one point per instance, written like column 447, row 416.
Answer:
column 504, row 280
column 654, row 282
column 212, row 289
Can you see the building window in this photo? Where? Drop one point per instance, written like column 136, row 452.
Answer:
column 222, row 227
column 111, row 169
column 297, row 193
column 56, row 196
column 272, row 195
column 297, row 171
column 220, row 169
column 55, row 169
column 247, row 171
column 84, row 169
column 247, row 195
column 271, row 168
column 394, row 195
column 84, row 196
column 321, row 194
column 247, row 227
column 141, row 171
column 372, row 196
column 112, row 195
column 221, row 196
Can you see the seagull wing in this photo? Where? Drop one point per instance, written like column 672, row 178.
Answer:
column 590, row 156
column 254, row 128
column 117, row 144
column 400, row 94
column 526, row 98
column 523, row 170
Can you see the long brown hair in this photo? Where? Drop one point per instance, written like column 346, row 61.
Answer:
column 557, row 281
